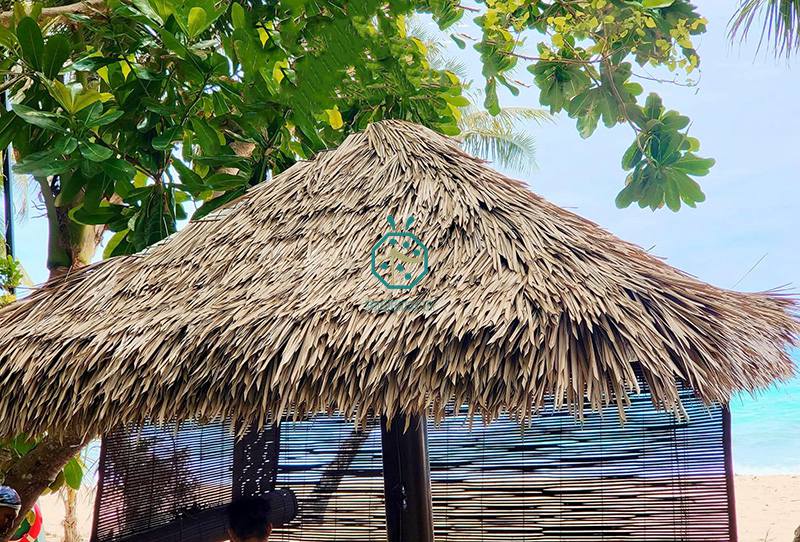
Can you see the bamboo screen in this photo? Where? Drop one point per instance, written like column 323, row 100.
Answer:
column 654, row 479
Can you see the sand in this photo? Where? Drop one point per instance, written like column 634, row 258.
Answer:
column 768, row 509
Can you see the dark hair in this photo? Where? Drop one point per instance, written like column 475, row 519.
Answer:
column 248, row 517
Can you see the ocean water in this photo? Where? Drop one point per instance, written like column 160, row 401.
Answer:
column 766, row 429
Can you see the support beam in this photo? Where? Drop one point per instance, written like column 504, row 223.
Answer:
column 729, row 479
column 406, row 480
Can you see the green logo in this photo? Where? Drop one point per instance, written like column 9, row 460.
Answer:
column 399, row 258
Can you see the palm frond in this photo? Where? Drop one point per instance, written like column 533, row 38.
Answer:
column 508, row 116
column 780, row 24
column 509, row 148
column 498, row 138
column 451, row 64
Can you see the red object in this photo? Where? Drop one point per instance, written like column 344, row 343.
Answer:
column 35, row 529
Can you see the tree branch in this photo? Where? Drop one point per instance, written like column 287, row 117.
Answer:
column 84, row 7
column 35, row 471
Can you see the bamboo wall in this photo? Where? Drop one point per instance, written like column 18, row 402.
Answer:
column 656, row 478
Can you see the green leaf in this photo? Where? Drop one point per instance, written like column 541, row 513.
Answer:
column 214, row 204
column 95, row 216
column 65, row 144
column 22, row 444
column 631, row 156
column 654, row 4
column 238, row 16
column 73, row 473
column 672, row 196
column 155, row 220
column 31, row 42
column 197, row 21
column 95, row 152
column 207, row 136
column 558, row 83
column 42, row 119
column 689, row 190
column 172, row 43
column 148, row 75
column 117, row 244
column 166, row 139
column 43, row 164
column 88, row 97
column 106, row 118
column 334, row 118
column 56, row 52
column 461, row 43
column 7, row 38
column 625, row 196
column 675, row 121
column 62, row 93
column 118, row 169
column 190, row 178
column 490, row 102
column 144, row 7
column 653, row 106
column 225, row 181
column 93, row 63
column 9, row 124
column 694, row 165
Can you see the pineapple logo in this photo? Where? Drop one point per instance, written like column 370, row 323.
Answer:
column 399, row 258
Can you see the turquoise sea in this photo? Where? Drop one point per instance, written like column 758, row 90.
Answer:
column 766, row 429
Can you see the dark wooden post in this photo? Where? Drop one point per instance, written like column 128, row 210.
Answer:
column 255, row 461
column 406, row 480
column 729, row 479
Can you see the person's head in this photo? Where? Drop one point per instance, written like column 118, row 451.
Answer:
column 248, row 520
column 10, row 504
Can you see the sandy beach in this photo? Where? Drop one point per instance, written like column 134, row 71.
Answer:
column 767, row 506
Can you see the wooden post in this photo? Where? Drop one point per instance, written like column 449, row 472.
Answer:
column 729, row 479
column 406, row 480
column 255, row 461
column 99, row 491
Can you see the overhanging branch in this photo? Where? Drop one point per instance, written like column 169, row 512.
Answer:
column 85, row 7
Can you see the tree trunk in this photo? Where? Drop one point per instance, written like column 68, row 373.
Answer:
column 70, row 498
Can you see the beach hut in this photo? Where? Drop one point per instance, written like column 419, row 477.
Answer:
column 414, row 344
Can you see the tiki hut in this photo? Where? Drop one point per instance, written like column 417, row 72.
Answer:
column 482, row 365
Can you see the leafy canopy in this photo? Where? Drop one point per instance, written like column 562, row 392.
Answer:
column 146, row 110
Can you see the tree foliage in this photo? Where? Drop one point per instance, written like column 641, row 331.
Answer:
column 134, row 112
column 11, row 273
column 584, row 67
column 10, row 277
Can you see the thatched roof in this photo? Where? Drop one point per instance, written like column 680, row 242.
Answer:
column 270, row 305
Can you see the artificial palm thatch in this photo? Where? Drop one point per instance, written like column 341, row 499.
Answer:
column 268, row 307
